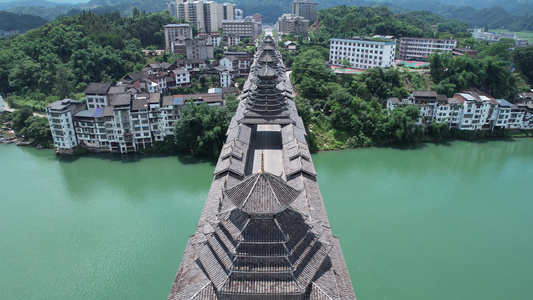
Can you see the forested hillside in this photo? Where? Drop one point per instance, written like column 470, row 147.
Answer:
column 348, row 21
column 62, row 57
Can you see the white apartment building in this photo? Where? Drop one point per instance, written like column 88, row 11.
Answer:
column 96, row 95
column 362, row 53
column 140, row 123
column 206, row 15
column 476, row 111
column 420, row 49
column 122, row 138
column 1, row 104
column 527, row 108
column 170, row 112
column 60, row 117
column 183, row 77
column 154, row 117
column 503, row 114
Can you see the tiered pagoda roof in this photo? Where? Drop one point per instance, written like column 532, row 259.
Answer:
column 265, row 103
column 262, row 246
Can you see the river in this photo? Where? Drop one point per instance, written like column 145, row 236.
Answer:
column 423, row 222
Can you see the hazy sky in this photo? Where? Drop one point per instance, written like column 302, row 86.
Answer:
column 56, row 1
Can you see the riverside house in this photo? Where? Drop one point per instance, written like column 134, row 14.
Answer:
column 468, row 110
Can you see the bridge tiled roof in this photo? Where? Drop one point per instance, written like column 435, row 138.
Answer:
column 263, row 236
column 262, row 193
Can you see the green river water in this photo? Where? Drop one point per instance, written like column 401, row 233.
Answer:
column 427, row 222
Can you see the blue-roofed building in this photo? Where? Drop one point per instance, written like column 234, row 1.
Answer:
column 91, row 130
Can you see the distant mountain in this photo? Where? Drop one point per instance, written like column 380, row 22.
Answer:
column 514, row 7
column 27, row 3
column 10, row 21
column 492, row 16
column 51, row 10
column 514, row 15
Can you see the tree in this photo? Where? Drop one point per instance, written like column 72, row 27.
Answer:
column 523, row 58
column 19, row 117
column 231, row 102
column 310, row 74
column 38, row 129
column 240, row 83
column 401, row 123
column 201, row 129
column 63, row 82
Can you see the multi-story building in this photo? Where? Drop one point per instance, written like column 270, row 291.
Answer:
column 139, row 122
column 419, row 49
column 231, row 63
column 60, row 117
column 175, row 32
column 172, row 8
column 1, row 104
column 170, row 112
column 245, row 60
column 493, row 37
column 85, row 127
column 96, row 95
column 527, row 122
column 526, row 98
column 292, row 24
column 244, row 29
column 206, row 15
column 239, row 14
column 305, row 8
column 232, row 40
column 516, row 118
column 476, row 111
column 198, row 48
column 183, row 77
column 363, row 53
column 211, row 38
column 229, row 11
column 258, row 18
column 503, row 114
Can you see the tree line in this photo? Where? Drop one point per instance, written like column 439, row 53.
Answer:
column 59, row 59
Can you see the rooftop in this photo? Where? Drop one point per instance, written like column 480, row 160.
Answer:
column 97, row 88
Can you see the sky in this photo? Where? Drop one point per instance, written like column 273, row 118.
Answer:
column 56, row 1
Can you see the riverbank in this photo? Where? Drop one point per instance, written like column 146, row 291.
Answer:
column 25, row 129
column 332, row 139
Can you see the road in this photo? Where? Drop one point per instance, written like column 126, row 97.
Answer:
column 9, row 109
